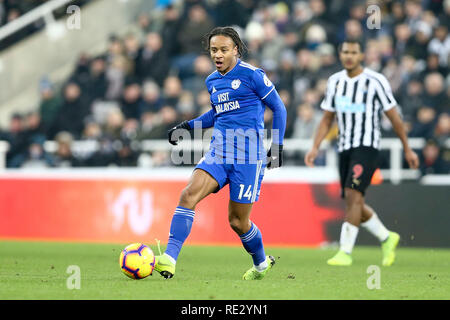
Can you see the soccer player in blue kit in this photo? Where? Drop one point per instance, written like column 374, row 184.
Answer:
column 239, row 93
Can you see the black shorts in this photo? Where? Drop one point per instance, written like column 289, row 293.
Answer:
column 356, row 168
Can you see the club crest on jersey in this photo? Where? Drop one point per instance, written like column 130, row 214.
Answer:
column 267, row 82
column 235, row 84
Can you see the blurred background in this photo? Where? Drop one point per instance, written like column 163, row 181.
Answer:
column 97, row 83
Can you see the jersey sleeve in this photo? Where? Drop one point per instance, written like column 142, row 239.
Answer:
column 206, row 120
column 385, row 93
column 262, row 85
column 327, row 102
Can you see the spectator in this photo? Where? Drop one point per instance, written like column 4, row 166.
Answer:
column 286, row 97
column 353, row 30
column 273, row 43
column 172, row 91
column 202, row 69
column 97, row 81
column 34, row 129
column 36, row 156
column 432, row 162
column 80, row 75
column 131, row 50
column 328, row 61
column 304, row 73
column 392, row 71
column 286, row 70
column 402, row 33
column 114, row 124
column 115, row 48
column 411, row 98
column 104, row 156
column 64, row 158
column 307, row 119
column 167, row 118
column 424, row 125
column 190, row 37
column 131, row 100
column 440, row 45
column 319, row 15
column 49, row 106
column 413, row 11
column 126, row 155
column 202, row 102
column 169, row 31
column 418, row 44
column 73, row 112
column 92, row 131
column 115, row 75
column 372, row 55
column 152, row 62
column 433, row 66
column 151, row 99
column 435, row 95
column 186, row 106
column 442, row 130
column 16, row 138
column 231, row 12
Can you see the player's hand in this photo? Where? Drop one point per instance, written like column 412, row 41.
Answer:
column 311, row 156
column 173, row 140
column 275, row 156
column 412, row 159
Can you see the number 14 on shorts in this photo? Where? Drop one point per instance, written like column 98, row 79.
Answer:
column 247, row 194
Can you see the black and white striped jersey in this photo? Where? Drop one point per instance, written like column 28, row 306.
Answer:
column 357, row 103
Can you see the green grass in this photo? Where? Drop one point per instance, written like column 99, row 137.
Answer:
column 37, row 270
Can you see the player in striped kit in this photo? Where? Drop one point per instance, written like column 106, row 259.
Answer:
column 356, row 95
column 239, row 93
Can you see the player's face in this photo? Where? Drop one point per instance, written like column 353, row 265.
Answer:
column 223, row 52
column 351, row 56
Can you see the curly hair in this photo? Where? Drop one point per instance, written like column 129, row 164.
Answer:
column 228, row 32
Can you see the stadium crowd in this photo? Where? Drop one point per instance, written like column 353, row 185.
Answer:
column 153, row 77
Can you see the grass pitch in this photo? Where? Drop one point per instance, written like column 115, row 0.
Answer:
column 38, row 270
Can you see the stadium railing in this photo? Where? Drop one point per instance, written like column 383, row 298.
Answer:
column 395, row 173
column 44, row 11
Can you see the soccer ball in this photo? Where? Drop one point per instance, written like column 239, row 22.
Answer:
column 137, row 261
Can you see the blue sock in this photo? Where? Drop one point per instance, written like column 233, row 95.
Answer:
column 252, row 241
column 179, row 230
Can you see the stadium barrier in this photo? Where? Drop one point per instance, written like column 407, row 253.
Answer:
column 297, row 207
column 137, row 205
column 395, row 173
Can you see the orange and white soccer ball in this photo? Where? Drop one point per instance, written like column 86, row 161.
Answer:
column 137, row 261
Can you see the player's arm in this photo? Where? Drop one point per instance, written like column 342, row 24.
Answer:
column 206, row 120
column 397, row 123
column 322, row 130
column 266, row 91
column 275, row 154
column 389, row 104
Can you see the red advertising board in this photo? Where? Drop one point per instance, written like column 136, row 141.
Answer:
column 131, row 210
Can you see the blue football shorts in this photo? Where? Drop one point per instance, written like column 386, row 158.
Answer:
column 244, row 178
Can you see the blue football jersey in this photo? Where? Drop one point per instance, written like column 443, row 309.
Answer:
column 237, row 98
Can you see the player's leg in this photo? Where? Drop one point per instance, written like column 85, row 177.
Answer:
column 200, row 185
column 356, row 171
column 341, row 257
column 354, row 202
column 389, row 239
column 245, row 183
column 251, row 238
column 373, row 224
